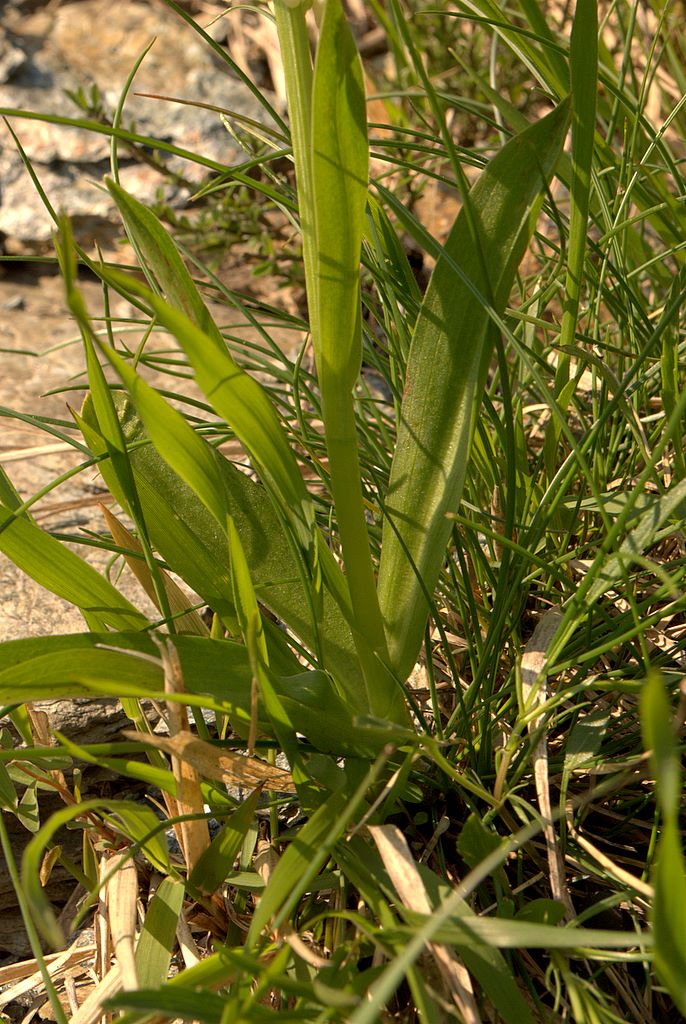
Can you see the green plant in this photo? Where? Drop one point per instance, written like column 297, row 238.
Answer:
column 440, row 517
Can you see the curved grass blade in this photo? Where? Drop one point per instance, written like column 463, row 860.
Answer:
column 60, row 571
column 140, row 824
column 107, row 416
column 448, row 359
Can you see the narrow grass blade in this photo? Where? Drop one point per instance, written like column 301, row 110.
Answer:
column 486, row 964
column 448, row 358
column 138, row 823
column 225, row 57
column 300, row 863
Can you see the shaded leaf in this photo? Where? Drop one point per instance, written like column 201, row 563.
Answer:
column 193, row 543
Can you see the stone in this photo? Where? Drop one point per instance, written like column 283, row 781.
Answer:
column 55, row 51
column 11, row 57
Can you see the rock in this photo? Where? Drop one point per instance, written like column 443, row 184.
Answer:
column 85, row 720
column 54, row 51
column 11, row 57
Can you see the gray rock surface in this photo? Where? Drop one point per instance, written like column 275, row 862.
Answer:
column 56, row 48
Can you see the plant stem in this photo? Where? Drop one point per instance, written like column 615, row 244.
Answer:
column 384, row 697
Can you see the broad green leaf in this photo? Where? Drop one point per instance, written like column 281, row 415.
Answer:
column 59, row 570
column 182, row 516
column 179, row 1003
column 8, row 794
column 340, row 170
column 27, row 808
column 8, row 493
column 218, row 859
column 497, row 979
column 158, row 935
column 476, row 841
column 659, row 739
column 449, row 355
column 329, row 724
column 85, row 664
column 669, row 875
column 583, row 62
column 339, row 178
column 544, row 911
column 584, row 740
column 186, row 618
column 216, row 674
column 669, row 913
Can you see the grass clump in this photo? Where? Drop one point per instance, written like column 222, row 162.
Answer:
column 438, row 554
